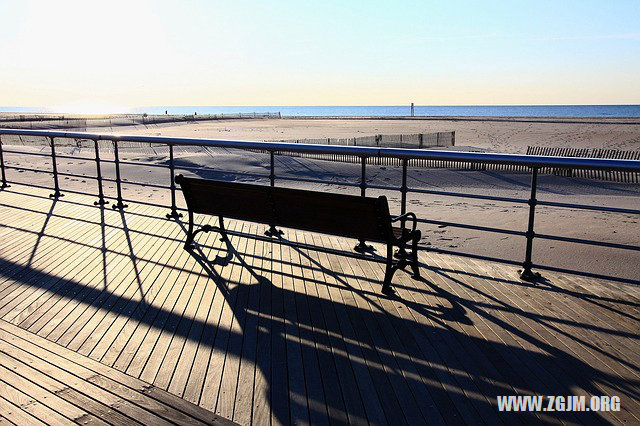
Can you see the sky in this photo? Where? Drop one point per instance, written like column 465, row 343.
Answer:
column 92, row 55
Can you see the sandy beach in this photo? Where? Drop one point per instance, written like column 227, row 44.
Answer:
column 511, row 135
column 506, row 135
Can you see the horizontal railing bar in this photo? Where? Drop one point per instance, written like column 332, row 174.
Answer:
column 38, row 154
column 587, row 242
column 236, row 173
column 464, row 254
column 128, row 182
column 133, row 163
column 383, row 187
column 71, row 191
column 586, row 274
column 474, row 157
column 475, row 227
column 588, row 207
column 27, row 169
column 328, row 182
column 476, row 196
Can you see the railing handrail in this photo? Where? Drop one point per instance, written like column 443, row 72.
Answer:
column 533, row 161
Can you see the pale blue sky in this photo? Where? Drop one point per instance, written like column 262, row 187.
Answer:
column 137, row 53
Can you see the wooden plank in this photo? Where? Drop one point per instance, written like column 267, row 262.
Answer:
column 131, row 308
column 365, row 276
column 534, row 338
column 66, row 273
column 24, row 381
column 247, row 281
column 330, row 378
column 72, row 319
column 158, row 290
column 261, row 404
column 26, row 256
column 16, row 415
column 107, row 379
column 220, row 282
column 115, row 402
column 134, row 356
column 332, row 282
column 86, row 328
column 243, row 401
column 297, row 394
column 316, row 400
column 166, row 350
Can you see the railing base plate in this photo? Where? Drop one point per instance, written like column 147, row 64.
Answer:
column 528, row 275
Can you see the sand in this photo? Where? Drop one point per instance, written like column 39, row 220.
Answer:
column 511, row 135
column 495, row 135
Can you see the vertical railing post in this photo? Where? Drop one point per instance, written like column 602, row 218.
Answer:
column 272, row 231
column 4, row 174
column 402, row 253
column 101, row 201
column 527, row 274
column 56, row 193
column 362, row 246
column 174, row 209
column 120, row 204
column 403, row 189
column 272, row 174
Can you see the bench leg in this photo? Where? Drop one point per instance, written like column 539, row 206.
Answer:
column 189, row 242
column 401, row 253
column 389, row 271
column 414, row 254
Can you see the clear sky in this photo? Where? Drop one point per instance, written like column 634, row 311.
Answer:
column 129, row 53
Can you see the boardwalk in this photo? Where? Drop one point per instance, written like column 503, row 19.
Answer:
column 260, row 331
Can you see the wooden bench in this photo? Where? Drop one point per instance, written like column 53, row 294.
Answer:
column 364, row 218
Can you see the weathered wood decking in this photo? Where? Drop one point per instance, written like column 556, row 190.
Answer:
column 258, row 331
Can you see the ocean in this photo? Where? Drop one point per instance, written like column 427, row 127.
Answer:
column 388, row 111
column 438, row 111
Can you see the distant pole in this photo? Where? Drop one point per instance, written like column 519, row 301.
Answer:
column 412, row 109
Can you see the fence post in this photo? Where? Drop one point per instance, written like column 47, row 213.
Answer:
column 4, row 175
column 120, row 204
column 526, row 273
column 174, row 209
column 101, row 201
column 56, row 193
column 362, row 245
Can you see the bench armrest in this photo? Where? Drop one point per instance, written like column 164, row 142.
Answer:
column 405, row 216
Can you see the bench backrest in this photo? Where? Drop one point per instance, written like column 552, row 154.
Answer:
column 338, row 214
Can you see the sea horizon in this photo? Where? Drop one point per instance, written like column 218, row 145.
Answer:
column 616, row 111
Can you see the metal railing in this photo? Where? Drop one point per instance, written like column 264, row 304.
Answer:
column 533, row 163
